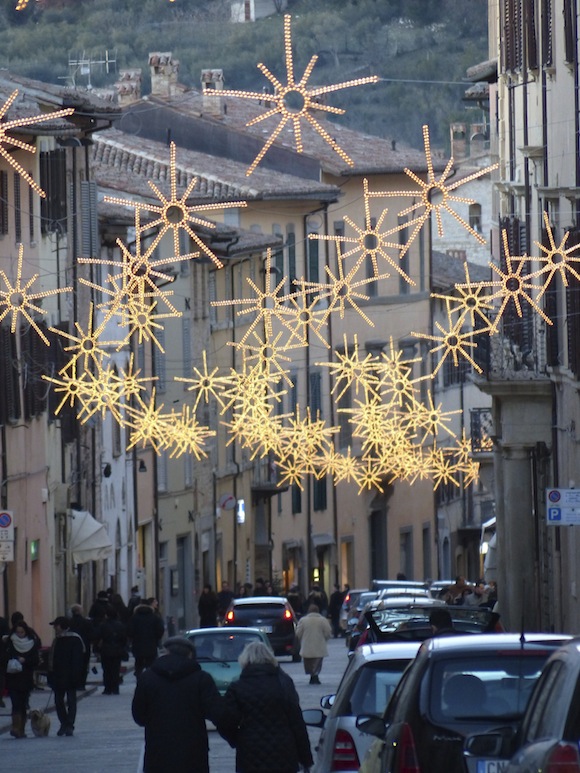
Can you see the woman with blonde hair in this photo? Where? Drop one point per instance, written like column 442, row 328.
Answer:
column 264, row 719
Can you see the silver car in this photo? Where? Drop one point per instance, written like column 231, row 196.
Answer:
column 368, row 682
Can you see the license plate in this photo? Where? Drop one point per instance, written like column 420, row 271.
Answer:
column 265, row 628
column 492, row 766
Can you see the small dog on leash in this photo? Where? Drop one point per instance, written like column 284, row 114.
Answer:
column 39, row 722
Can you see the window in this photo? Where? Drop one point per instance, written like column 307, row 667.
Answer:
column 547, row 33
column 475, row 217
column 159, row 359
column 404, row 287
column 53, row 211
column 313, row 260
column 406, row 551
column 3, row 203
column 371, row 288
column 31, row 200
column 291, row 244
column 319, row 494
column 186, row 348
column 17, row 209
column 162, row 472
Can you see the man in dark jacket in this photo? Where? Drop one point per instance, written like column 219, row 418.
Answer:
column 65, row 672
column 172, row 700
column 84, row 627
column 145, row 630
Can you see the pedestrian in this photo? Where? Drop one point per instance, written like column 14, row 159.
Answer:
column 334, row 609
column 84, row 627
column 313, row 632
column 134, row 600
column 225, row 597
column 265, row 723
column 4, row 633
column 122, row 609
column 98, row 608
column 296, row 600
column 113, row 648
column 441, row 622
column 207, row 607
column 22, row 646
column 145, row 630
column 318, row 596
column 172, row 701
column 65, row 672
column 18, row 617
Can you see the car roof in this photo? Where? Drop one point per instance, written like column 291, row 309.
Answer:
column 260, row 600
column 387, row 651
column 223, row 630
column 492, row 641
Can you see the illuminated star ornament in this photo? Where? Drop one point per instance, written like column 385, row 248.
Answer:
column 435, row 195
column 174, row 214
column 17, row 301
column 295, row 102
column 5, row 140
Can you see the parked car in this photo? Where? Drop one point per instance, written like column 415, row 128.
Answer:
column 218, row 650
column 404, row 609
column 548, row 739
column 272, row 615
column 365, row 688
column 379, row 585
column 456, row 687
column 356, row 622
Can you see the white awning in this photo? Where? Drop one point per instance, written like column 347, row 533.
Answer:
column 322, row 540
column 89, row 540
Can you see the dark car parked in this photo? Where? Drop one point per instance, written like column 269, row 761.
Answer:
column 272, row 615
column 456, row 687
column 549, row 737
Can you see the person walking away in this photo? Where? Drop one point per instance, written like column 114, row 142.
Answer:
column 225, row 597
column 84, row 627
column 112, row 646
column 207, row 607
column 4, row 633
column 334, row 608
column 441, row 622
column 134, row 600
column 145, row 630
column 313, row 632
column 172, row 701
column 65, row 673
column 264, row 720
column 22, row 646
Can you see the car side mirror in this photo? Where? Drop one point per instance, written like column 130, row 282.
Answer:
column 371, row 725
column 314, row 717
column 327, row 701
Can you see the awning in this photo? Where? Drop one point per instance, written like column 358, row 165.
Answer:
column 292, row 544
column 490, row 560
column 322, row 540
column 89, row 540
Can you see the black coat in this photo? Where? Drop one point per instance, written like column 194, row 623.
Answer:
column 112, row 637
column 145, row 629
column 271, row 735
column 22, row 681
column 172, row 700
column 66, row 669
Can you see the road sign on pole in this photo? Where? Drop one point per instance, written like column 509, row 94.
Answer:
column 6, row 526
column 7, row 551
column 562, row 506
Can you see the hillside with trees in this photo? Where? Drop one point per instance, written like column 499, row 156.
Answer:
column 420, row 49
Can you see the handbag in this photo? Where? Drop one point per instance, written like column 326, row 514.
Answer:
column 14, row 666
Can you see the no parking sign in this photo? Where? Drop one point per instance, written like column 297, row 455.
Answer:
column 562, row 506
column 6, row 526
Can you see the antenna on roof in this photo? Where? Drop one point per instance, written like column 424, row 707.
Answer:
column 84, row 64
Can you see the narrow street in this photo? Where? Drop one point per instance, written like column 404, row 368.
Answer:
column 107, row 740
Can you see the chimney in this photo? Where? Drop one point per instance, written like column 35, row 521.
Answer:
column 164, row 69
column 478, row 139
column 458, row 141
column 212, row 82
column 128, row 87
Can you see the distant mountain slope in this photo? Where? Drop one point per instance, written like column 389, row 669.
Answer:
column 421, row 50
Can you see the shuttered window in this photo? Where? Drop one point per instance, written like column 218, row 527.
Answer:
column 17, row 208
column 53, row 210
column 89, row 220
column 9, row 395
column 547, row 33
column 160, row 362
column 3, row 203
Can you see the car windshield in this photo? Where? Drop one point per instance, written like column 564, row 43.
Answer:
column 224, row 646
column 407, row 617
column 497, row 684
column 254, row 611
column 374, row 685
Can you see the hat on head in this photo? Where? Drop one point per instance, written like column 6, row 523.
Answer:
column 179, row 645
column 62, row 622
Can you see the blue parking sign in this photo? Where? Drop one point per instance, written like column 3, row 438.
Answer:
column 554, row 514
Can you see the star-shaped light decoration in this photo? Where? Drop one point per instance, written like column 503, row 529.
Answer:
column 453, row 342
column 70, row 387
column 295, row 102
column 557, row 259
column 471, row 303
column 21, row 5
column 146, row 424
column 395, row 375
column 343, row 291
column 351, row 370
column 301, row 316
column 206, row 383
column 370, row 240
column 18, row 302
column 435, row 188
column 513, row 285
column 184, row 434
column 432, row 419
column 86, row 345
column 267, row 304
column 175, row 215
column 6, row 141
column 369, row 476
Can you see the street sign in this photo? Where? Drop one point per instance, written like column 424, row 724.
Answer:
column 6, row 526
column 563, row 506
column 7, row 551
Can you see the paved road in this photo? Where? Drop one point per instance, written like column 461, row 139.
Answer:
column 107, row 740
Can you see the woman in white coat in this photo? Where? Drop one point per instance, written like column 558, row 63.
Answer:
column 313, row 633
